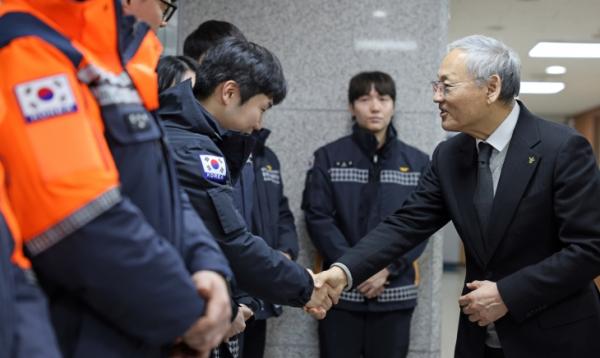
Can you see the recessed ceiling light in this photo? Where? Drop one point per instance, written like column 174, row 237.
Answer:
column 541, row 87
column 385, row 45
column 556, row 70
column 565, row 50
column 495, row 27
column 380, row 14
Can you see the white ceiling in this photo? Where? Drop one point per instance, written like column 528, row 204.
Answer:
column 523, row 23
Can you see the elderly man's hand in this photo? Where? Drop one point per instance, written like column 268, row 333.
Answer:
column 206, row 333
column 329, row 285
column 484, row 304
column 320, row 302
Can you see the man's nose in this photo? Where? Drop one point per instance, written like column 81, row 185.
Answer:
column 438, row 96
column 375, row 105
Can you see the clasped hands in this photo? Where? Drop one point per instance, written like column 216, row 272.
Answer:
column 328, row 286
column 483, row 305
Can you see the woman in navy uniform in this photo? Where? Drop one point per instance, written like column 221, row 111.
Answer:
column 355, row 182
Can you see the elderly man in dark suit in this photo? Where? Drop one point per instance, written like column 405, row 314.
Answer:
column 524, row 196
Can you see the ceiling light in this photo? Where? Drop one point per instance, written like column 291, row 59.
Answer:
column 380, row 14
column 384, row 45
column 541, row 87
column 495, row 27
column 556, row 70
column 566, row 50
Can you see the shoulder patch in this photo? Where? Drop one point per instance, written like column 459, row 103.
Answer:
column 45, row 97
column 213, row 168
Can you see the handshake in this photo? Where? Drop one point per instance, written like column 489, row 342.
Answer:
column 329, row 285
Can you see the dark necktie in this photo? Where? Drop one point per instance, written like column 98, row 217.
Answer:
column 484, row 193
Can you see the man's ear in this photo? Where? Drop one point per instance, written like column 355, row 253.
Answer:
column 126, row 4
column 494, row 87
column 229, row 91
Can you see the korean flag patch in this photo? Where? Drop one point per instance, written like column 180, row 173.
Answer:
column 45, row 97
column 213, row 168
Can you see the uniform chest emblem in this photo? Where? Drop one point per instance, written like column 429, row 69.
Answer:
column 46, row 97
column 213, row 168
column 404, row 169
column 344, row 164
column 270, row 175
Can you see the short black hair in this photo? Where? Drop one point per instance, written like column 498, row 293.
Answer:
column 254, row 68
column 362, row 83
column 208, row 34
column 171, row 69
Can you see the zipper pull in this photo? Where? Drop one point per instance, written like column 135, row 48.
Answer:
column 375, row 158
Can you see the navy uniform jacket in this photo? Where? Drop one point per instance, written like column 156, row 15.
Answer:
column 25, row 329
column 145, row 154
column 542, row 243
column 351, row 188
column 118, row 286
column 200, row 148
column 7, row 305
column 271, row 216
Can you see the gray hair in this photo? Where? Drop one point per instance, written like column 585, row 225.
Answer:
column 486, row 57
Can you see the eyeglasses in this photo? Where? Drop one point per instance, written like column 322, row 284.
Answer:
column 168, row 8
column 446, row 88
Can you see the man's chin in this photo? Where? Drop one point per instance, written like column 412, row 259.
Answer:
column 449, row 125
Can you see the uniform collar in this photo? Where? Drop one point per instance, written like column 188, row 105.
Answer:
column 368, row 143
column 179, row 106
column 261, row 139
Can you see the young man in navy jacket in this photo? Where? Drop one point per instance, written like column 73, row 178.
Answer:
column 355, row 182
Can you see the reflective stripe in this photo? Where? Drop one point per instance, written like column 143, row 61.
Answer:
column 232, row 345
column 74, row 221
column 398, row 177
column 350, row 175
column 393, row 294
column 109, row 88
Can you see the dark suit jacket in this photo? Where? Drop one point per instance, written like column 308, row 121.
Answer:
column 543, row 238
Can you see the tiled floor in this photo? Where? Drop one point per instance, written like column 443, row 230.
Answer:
column 452, row 282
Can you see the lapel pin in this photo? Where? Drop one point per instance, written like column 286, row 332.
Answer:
column 531, row 160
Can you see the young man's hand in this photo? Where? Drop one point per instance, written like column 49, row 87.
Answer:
column 209, row 331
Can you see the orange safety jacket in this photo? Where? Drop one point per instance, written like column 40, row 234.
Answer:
column 17, row 256
column 70, row 109
column 141, row 62
column 51, row 132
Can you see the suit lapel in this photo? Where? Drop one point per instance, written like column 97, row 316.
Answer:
column 466, row 181
column 519, row 166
